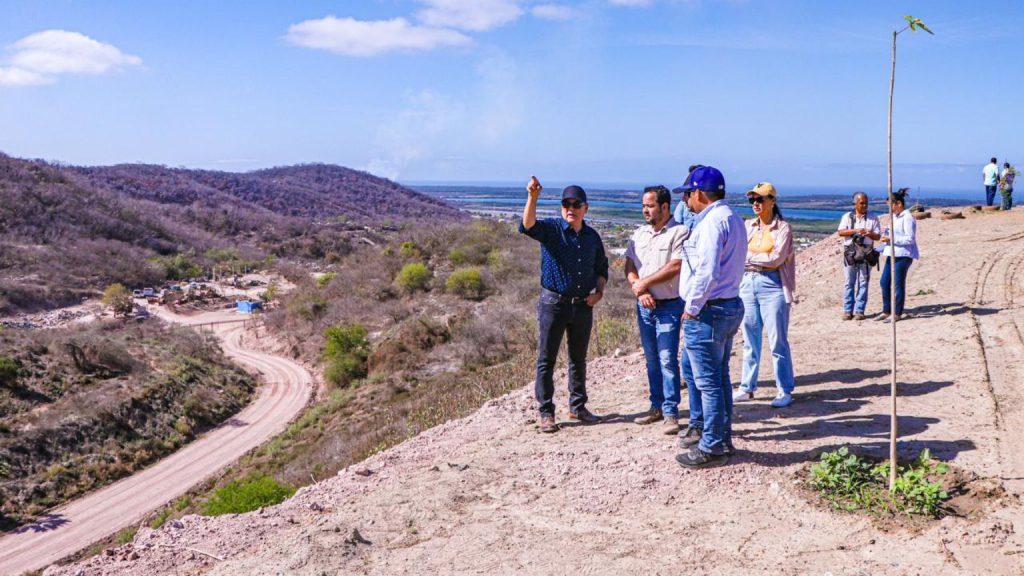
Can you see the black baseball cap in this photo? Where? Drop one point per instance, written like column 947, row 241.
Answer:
column 574, row 192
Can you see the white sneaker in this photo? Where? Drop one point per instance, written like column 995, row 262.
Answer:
column 782, row 400
column 742, row 396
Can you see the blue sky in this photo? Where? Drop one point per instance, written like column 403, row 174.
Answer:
column 593, row 91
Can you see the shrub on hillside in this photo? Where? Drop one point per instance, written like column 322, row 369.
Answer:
column 325, row 279
column 345, row 352
column 466, row 283
column 413, row 277
column 251, row 493
column 118, row 299
column 9, row 369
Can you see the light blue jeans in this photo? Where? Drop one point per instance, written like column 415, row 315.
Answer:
column 708, row 341
column 855, row 297
column 659, row 334
column 765, row 308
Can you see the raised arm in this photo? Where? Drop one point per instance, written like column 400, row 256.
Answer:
column 533, row 189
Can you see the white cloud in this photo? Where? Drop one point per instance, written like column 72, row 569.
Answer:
column 477, row 15
column 552, row 12
column 371, row 37
column 428, row 122
column 43, row 57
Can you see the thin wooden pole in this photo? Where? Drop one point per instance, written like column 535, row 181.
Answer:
column 893, row 433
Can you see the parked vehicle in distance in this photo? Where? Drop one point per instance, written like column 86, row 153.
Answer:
column 148, row 292
column 137, row 294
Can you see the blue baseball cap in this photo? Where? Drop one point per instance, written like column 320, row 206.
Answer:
column 687, row 186
column 706, row 178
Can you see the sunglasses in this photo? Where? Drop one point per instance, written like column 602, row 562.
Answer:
column 576, row 204
column 759, row 199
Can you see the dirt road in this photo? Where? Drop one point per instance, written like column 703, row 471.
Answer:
column 489, row 494
column 286, row 389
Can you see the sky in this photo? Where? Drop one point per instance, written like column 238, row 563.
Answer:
column 599, row 92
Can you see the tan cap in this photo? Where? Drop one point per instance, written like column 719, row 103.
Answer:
column 763, row 189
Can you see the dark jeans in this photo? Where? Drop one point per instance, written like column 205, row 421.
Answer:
column 556, row 317
column 902, row 266
column 990, row 195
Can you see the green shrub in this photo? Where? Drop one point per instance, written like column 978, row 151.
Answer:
column 119, row 299
column 345, row 352
column 250, row 493
column 325, row 279
column 409, row 250
column 466, row 283
column 412, row 277
column 9, row 370
column 125, row 536
column 458, row 256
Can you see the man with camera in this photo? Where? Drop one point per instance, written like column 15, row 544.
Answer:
column 859, row 230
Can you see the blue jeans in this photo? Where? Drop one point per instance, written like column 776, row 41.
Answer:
column 902, row 266
column 556, row 318
column 765, row 308
column 857, row 278
column 1007, row 198
column 990, row 195
column 659, row 334
column 708, row 341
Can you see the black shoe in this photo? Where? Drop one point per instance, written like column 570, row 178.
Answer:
column 729, row 449
column 689, row 437
column 585, row 416
column 697, row 458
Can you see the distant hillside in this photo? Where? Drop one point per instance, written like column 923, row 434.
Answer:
column 66, row 232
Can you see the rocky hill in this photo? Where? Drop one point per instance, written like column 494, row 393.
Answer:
column 490, row 494
column 67, row 232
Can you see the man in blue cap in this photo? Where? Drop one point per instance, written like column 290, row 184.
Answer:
column 712, row 268
column 574, row 271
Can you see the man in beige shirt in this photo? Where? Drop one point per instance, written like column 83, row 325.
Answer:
column 653, row 260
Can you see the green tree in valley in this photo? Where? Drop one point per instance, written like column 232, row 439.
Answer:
column 118, row 299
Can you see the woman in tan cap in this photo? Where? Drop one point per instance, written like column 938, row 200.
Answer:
column 769, row 281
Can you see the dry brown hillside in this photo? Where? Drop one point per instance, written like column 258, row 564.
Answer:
column 488, row 494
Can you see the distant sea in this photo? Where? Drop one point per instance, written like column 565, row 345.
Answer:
column 820, row 204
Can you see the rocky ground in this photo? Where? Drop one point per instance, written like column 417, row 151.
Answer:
column 489, row 494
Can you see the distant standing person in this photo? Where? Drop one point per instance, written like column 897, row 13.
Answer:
column 858, row 226
column 683, row 214
column 990, row 174
column 1006, row 185
column 653, row 259
column 769, row 282
column 574, row 271
column 901, row 239
column 712, row 268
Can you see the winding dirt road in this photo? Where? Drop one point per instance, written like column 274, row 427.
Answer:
column 66, row 530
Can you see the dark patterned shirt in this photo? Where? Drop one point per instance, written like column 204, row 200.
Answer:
column 570, row 263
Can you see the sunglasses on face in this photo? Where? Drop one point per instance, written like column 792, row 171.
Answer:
column 759, row 199
column 576, row 204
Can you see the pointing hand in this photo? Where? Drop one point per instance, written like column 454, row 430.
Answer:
column 533, row 186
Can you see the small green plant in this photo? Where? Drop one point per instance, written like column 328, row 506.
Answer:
column 852, row 482
column 9, row 370
column 412, row 277
column 125, row 536
column 325, row 279
column 250, row 493
column 458, row 257
column 161, row 517
column 409, row 250
column 466, row 283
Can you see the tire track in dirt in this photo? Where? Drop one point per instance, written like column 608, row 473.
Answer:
column 74, row 526
column 1001, row 343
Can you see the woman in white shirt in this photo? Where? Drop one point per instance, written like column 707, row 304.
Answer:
column 901, row 240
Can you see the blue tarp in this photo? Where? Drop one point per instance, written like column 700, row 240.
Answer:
column 248, row 306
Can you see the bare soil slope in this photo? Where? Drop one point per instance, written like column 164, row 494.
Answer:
column 490, row 494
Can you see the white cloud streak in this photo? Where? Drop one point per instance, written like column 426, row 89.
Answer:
column 43, row 57
column 476, row 15
column 352, row 37
column 553, row 12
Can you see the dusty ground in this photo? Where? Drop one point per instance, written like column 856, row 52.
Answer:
column 489, row 494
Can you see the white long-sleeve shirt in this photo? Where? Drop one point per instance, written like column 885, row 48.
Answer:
column 903, row 236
